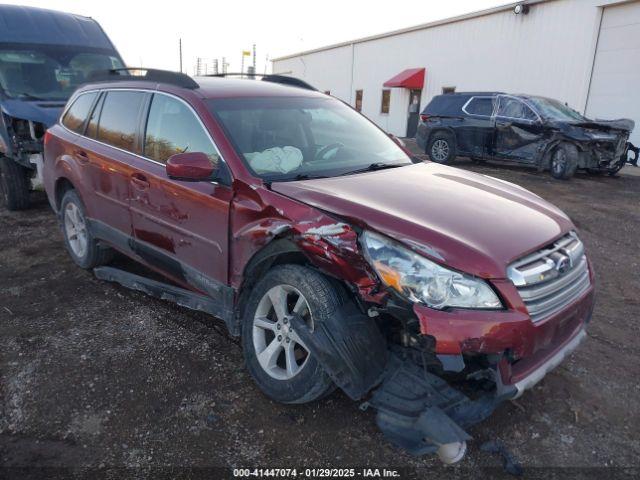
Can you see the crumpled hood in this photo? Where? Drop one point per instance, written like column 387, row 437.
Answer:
column 45, row 111
column 624, row 124
column 471, row 222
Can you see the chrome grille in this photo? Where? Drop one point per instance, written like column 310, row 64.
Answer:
column 551, row 278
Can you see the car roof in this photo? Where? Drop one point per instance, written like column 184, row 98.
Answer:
column 41, row 26
column 474, row 94
column 213, row 87
column 219, row 87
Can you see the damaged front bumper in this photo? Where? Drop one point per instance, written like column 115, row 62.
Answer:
column 515, row 390
column 419, row 410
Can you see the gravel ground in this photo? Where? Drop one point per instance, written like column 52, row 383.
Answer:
column 99, row 381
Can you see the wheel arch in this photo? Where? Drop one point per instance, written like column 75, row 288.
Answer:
column 280, row 251
column 62, row 186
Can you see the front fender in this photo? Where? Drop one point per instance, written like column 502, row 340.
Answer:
column 259, row 216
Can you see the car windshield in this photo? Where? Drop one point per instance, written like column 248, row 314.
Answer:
column 555, row 110
column 49, row 72
column 288, row 138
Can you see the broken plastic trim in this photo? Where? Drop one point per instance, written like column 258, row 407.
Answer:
column 416, row 410
column 350, row 348
column 162, row 291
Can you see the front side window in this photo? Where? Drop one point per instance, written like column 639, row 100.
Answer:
column 481, row 106
column 513, row 108
column 50, row 72
column 118, row 121
column 77, row 114
column 286, row 138
column 172, row 128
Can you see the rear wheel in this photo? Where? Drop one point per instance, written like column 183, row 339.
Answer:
column 276, row 357
column 442, row 148
column 81, row 245
column 14, row 185
column 564, row 161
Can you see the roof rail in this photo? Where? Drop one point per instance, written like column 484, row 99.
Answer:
column 269, row 77
column 144, row 74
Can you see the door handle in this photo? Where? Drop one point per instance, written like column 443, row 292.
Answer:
column 140, row 181
column 82, row 156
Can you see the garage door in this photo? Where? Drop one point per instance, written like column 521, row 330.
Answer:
column 615, row 86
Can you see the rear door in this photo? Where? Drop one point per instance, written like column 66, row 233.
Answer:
column 107, row 153
column 518, row 129
column 180, row 227
column 476, row 131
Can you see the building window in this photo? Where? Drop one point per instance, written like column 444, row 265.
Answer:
column 386, row 101
column 446, row 90
column 359, row 100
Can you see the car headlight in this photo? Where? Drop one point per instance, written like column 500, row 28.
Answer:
column 423, row 281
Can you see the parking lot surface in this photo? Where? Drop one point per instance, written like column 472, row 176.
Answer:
column 94, row 376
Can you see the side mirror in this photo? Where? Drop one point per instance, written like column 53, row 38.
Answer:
column 191, row 167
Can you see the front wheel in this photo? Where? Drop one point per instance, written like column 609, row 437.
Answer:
column 14, row 185
column 277, row 359
column 564, row 161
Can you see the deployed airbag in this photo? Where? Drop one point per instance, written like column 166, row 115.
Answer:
column 275, row 160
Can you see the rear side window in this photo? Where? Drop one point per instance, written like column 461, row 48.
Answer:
column 77, row 114
column 172, row 128
column 446, row 105
column 119, row 119
column 482, row 106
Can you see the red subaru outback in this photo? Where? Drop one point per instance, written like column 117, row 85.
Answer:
column 338, row 258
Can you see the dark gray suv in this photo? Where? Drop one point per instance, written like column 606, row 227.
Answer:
column 525, row 129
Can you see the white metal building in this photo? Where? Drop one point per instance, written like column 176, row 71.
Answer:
column 583, row 52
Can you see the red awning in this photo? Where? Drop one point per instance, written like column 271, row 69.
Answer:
column 410, row 78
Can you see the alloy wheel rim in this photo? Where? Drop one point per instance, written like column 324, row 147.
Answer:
column 279, row 350
column 76, row 229
column 440, row 150
column 559, row 161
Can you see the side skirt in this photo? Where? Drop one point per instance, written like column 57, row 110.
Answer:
column 218, row 298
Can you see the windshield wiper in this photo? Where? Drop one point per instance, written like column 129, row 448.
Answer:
column 374, row 167
column 306, row 176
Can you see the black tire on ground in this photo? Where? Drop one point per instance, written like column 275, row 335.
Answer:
column 94, row 254
column 14, row 185
column 442, row 148
column 311, row 382
column 564, row 161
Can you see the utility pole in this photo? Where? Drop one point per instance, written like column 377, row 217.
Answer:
column 254, row 58
column 180, row 50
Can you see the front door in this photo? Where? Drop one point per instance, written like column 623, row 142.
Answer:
column 413, row 113
column 518, row 130
column 180, row 227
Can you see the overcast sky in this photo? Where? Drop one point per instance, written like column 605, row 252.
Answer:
column 146, row 33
